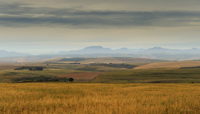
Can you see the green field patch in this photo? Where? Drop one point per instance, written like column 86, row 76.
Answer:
column 151, row 76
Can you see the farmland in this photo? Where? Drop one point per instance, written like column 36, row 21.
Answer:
column 81, row 69
column 150, row 86
column 98, row 70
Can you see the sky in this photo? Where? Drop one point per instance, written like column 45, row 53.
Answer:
column 49, row 26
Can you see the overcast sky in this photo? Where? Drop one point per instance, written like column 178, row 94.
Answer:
column 43, row 26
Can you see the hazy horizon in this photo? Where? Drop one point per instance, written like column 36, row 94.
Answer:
column 49, row 26
column 57, row 51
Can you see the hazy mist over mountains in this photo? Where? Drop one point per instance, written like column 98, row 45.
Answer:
column 4, row 53
column 154, row 50
column 99, row 51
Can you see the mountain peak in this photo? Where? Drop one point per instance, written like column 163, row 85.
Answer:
column 194, row 48
column 157, row 48
column 94, row 47
column 124, row 48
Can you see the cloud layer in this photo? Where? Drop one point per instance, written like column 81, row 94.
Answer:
column 42, row 25
column 25, row 15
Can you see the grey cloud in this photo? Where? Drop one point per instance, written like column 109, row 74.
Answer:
column 24, row 15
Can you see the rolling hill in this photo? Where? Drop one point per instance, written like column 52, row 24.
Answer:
column 126, row 60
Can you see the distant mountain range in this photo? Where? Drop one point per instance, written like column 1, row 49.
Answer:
column 4, row 53
column 99, row 51
column 151, row 53
column 154, row 50
column 92, row 50
column 102, row 50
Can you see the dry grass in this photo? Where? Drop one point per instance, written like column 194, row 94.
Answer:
column 65, row 98
column 169, row 65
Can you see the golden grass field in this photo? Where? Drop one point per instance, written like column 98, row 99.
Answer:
column 85, row 98
column 159, row 65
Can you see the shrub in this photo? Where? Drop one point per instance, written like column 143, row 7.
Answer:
column 71, row 79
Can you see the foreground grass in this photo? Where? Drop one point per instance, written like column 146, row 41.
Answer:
column 80, row 98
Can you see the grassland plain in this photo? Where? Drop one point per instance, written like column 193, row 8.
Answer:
column 186, row 75
column 88, row 98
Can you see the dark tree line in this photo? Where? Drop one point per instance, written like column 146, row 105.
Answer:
column 42, row 79
column 39, row 68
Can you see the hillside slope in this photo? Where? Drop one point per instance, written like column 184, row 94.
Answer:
column 160, row 65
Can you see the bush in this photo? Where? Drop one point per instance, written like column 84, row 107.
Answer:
column 71, row 79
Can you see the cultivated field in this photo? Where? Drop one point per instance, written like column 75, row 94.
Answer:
column 164, row 65
column 83, row 98
column 185, row 75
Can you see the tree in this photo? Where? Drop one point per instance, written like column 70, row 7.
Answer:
column 71, row 79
